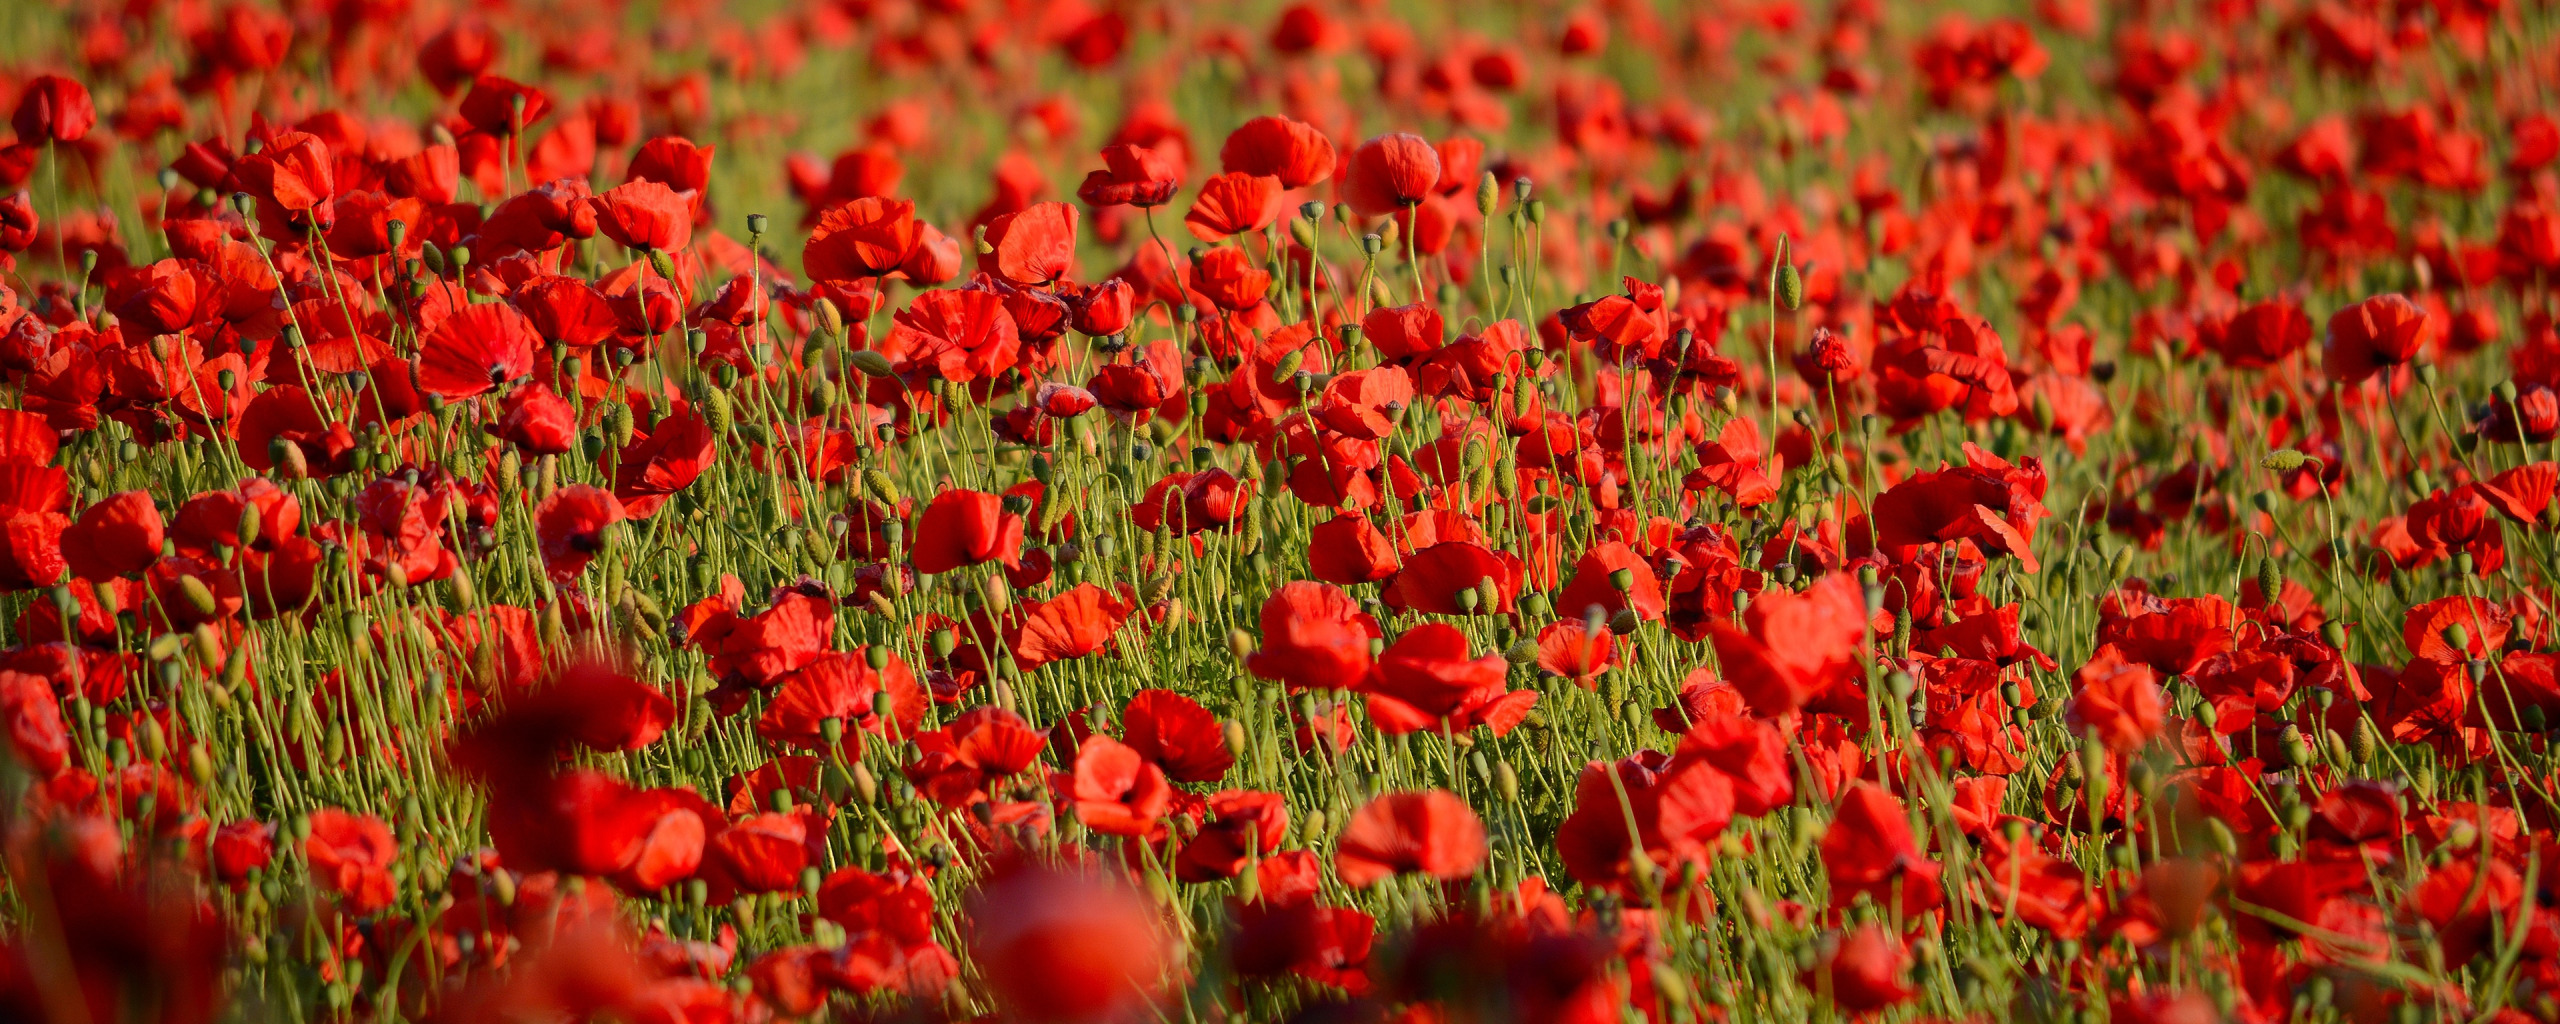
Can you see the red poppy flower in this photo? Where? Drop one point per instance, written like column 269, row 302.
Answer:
column 1175, row 733
column 1313, row 637
column 1428, row 680
column 1448, row 579
column 537, row 420
column 1863, row 970
column 32, row 720
column 1594, row 584
column 866, row 238
column 844, row 687
column 52, row 108
column 571, row 526
column 667, row 459
column 1243, row 824
column 2259, row 336
column 1151, row 378
column 1569, row 650
column 1391, row 172
column 351, row 856
column 1132, row 176
column 1986, row 501
column 292, row 179
column 491, row 106
column 646, row 215
column 955, row 763
column 2380, row 332
column 964, row 528
column 763, row 852
column 1060, row 945
column 1188, row 503
column 1349, row 549
column 1118, row 792
column 240, row 848
column 475, row 349
column 1230, row 278
column 1075, row 624
column 1403, row 332
column 959, row 335
column 1870, row 849
column 1034, row 246
column 1731, row 463
column 1234, row 204
column 1794, row 647
column 1292, row 151
column 119, row 536
column 1675, row 807
column 1429, row 831
column 1103, row 309
column 2120, row 701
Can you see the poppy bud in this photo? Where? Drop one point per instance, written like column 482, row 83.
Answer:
column 2121, row 566
column 1303, row 232
column 659, row 261
column 1488, row 194
column 1790, row 293
column 200, row 597
column 2270, row 580
column 873, row 364
column 1537, row 211
column 1623, row 580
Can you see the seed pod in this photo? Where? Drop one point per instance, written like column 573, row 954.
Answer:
column 619, row 424
column 1304, row 233
column 873, row 364
column 200, row 597
column 881, row 486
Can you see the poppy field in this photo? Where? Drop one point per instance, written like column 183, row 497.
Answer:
column 1323, row 511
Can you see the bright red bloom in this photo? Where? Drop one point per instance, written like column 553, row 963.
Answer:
column 2120, row 700
column 52, row 108
column 492, row 105
column 1594, row 584
column 866, row 238
column 959, row 335
column 1075, row 624
column 964, row 528
column 844, row 687
column 646, row 215
column 116, row 537
column 657, row 464
column 1313, row 637
column 2259, row 336
column 1242, row 825
column 1292, row 151
column 1349, row 549
column 1430, row 831
column 1863, row 970
column 1175, row 733
column 351, row 856
column 2365, row 338
column 1428, row 680
column 571, row 527
column 1117, row 791
column 537, row 420
column 1058, row 945
column 1987, row 501
column 1034, row 246
column 476, row 349
column 1794, row 647
column 1132, row 176
column 955, row 763
column 1870, row 849
column 1390, row 172
column 1234, row 204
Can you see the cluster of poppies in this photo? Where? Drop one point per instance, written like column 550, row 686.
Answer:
column 1586, row 513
